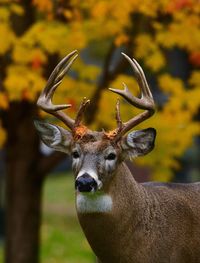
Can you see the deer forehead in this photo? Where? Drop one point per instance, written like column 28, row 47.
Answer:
column 95, row 147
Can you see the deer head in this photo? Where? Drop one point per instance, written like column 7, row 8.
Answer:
column 96, row 155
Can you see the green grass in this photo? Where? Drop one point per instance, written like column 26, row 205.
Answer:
column 62, row 237
column 1, row 253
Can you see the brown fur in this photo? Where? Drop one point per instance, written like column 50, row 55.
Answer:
column 149, row 223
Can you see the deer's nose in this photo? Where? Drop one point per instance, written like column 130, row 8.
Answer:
column 85, row 183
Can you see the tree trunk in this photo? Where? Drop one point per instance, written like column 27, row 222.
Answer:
column 23, row 214
column 23, row 185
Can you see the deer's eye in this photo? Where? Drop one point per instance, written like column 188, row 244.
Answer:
column 75, row 155
column 111, row 156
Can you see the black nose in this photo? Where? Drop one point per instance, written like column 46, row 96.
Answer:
column 85, row 183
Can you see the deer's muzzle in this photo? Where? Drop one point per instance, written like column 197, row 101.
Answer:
column 85, row 183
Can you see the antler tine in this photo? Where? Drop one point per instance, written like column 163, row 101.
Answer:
column 146, row 101
column 118, row 116
column 81, row 111
column 139, row 75
column 45, row 99
column 145, row 91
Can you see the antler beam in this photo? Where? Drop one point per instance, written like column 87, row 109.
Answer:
column 45, row 98
column 146, row 101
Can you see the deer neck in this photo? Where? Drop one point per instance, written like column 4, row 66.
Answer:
column 118, row 215
column 122, row 193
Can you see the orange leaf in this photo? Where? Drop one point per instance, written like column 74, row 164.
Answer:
column 195, row 58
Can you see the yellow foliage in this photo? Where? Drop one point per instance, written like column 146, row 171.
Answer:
column 195, row 79
column 23, row 83
column 184, row 100
column 108, row 15
column 24, row 55
column 183, row 32
column 171, row 85
column 102, row 9
column 76, row 35
column 105, row 118
column 3, row 101
column 148, row 7
column 8, row 36
column 54, row 37
column 43, row 5
column 121, row 39
column 47, row 34
column 155, row 61
column 147, row 48
column 2, row 136
column 17, row 9
column 144, row 44
column 4, row 14
column 87, row 73
column 189, row 38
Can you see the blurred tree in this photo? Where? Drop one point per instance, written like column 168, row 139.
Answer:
column 35, row 34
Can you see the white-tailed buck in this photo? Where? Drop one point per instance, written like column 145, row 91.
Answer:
column 123, row 221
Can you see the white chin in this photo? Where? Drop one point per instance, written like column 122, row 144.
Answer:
column 97, row 202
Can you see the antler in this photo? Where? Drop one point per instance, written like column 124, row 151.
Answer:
column 45, row 98
column 146, row 101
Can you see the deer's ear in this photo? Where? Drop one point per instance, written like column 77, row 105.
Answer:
column 138, row 143
column 54, row 136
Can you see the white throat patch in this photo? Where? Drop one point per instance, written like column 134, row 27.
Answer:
column 93, row 203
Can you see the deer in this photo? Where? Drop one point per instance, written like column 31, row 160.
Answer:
column 124, row 221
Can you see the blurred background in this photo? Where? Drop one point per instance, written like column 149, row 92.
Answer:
column 37, row 217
